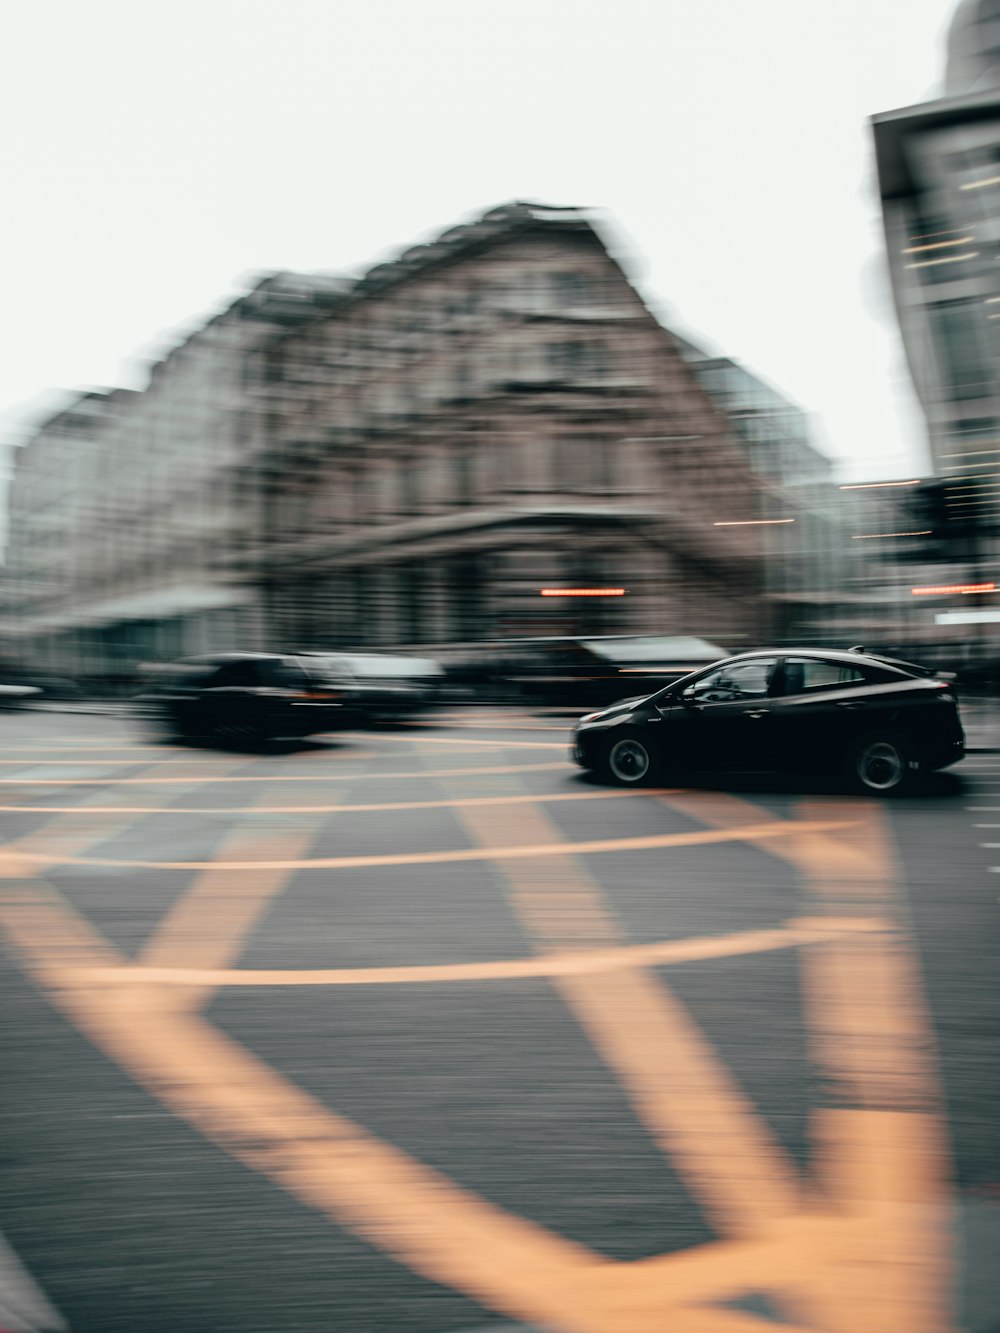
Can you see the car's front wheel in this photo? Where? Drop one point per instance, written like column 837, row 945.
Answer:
column 880, row 765
column 630, row 760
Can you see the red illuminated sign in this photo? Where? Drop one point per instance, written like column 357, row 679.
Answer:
column 941, row 589
column 582, row 592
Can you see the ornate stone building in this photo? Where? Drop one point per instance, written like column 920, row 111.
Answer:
column 489, row 416
column 409, row 458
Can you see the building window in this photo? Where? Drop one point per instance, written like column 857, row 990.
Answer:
column 582, row 464
column 572, row 289
column 964, row 364
column 578, row 360
column 599, row 458
column 361, row 495
column 568, row 359
column 464, row 488
column 409, row 487
column 411, row 592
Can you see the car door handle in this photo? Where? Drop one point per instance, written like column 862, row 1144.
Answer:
column 756, row 712
column 849, row 703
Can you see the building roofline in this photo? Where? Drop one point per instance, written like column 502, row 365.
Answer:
column 891, row 128
column 294, row 300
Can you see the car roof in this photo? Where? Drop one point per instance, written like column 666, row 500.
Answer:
column 843, row 655
column 217, row 659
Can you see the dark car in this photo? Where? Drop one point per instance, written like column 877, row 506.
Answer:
column 383, row 686
column 878, row 721
column 16, row 696
column 247, row 697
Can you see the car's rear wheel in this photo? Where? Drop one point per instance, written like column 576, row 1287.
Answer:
column 630, row 760
column 880, row 765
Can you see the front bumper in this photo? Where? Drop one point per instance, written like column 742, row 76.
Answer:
column 581, row 750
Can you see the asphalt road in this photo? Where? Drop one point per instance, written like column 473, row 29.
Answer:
column 421, row 1031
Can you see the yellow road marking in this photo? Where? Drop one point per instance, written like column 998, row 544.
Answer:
column 297, row 777
column 206, row 761
column 696, row 838
column 502, row 969
column 601, row 794
column 208, row 925
column 676, row 1084
column 869, row 1257
column 72, row 832
column 76, row 749
column 479, row 744
column 79, row 763
column 882, row 1153
column 328, row 1162
column 496, row 726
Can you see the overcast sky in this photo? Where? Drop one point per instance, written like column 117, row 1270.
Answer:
column 154, row 155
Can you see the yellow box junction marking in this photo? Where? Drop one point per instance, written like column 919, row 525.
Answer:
column 861, row 1248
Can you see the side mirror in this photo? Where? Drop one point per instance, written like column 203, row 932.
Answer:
column 688, row 696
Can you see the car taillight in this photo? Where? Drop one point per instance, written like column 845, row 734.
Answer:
column 319, row 694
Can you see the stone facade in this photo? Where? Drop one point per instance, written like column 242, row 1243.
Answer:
column 407, row 459
column 492, row 415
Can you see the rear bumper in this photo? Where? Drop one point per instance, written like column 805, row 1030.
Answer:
column 944, row 754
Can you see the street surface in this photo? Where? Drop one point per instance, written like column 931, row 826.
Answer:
column 422, row 1031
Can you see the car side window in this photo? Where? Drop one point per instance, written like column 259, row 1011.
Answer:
column 182, row 676
column 286, row 675
column 806, row 675
column 235, row 674
column 736, row 681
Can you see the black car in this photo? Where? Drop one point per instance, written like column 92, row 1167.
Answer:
column 247, row 697
column 383, row 686
column 878, row 721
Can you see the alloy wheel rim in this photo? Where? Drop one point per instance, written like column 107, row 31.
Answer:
column 629, row 760
column 880, row 766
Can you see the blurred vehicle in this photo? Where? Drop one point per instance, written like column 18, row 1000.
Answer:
column 247, row 697
column 383, row 686
column 58, row 689
column 13, row 696
column 878, row 721
column 17, row 684
column 575, row 672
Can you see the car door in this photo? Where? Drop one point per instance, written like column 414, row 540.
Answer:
column 230, row 700
column 170, row 697
column 721, row 720
column 820, row 704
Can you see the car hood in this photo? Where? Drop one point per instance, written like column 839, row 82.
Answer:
column 622, row 706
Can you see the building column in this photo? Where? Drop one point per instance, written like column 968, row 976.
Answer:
column 437, row 627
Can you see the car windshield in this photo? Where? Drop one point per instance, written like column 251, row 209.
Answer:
column 327, row 669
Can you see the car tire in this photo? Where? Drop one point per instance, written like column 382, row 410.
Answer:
column 630, row 760
column 879, row 764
